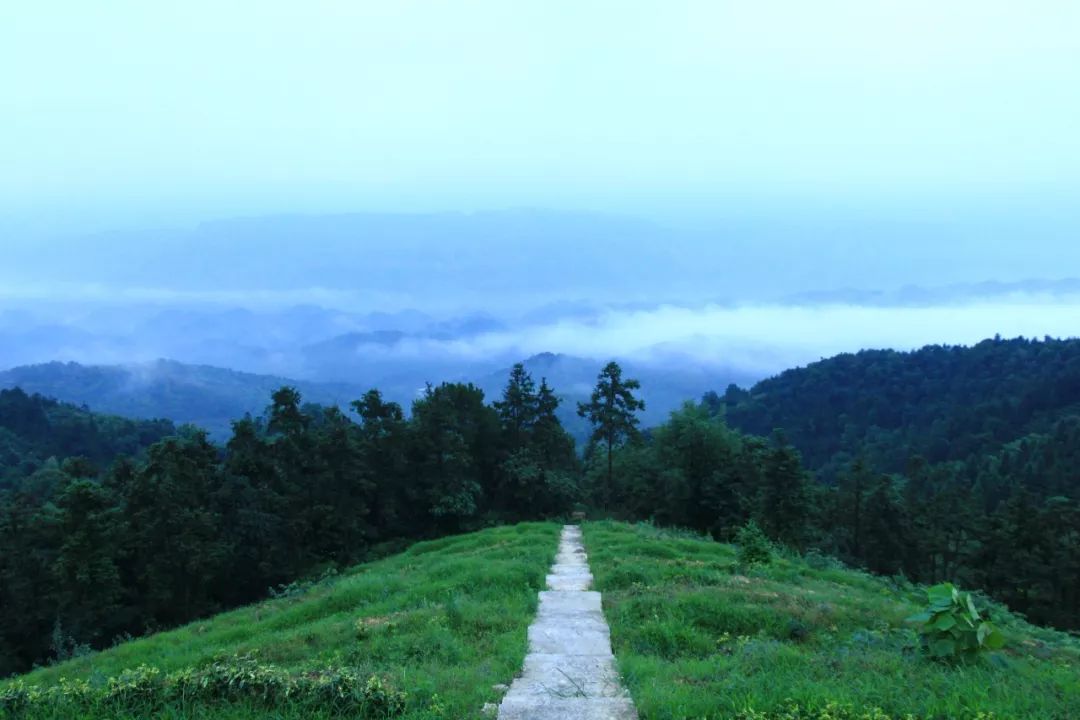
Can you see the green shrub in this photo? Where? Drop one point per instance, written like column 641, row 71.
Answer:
column 817, row 560
column 754, row 547
column 17, row 696
column 236, row 679
column 951, row 626
column 132, row 688
column 839, row 711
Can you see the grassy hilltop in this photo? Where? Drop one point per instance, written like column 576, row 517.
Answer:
column 442, row 622
column 696, row 635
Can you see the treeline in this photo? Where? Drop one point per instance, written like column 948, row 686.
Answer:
column 89, row 555
column 34, row 429
column 89, row 552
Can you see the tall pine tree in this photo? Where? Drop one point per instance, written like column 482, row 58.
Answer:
column 612, row 411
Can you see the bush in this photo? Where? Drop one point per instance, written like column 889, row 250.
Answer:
column 754, row 547
column 134, row 688
column 16, row 697
column 837, row 711
column 817, row 560
column 951, row 626
column 239, row 678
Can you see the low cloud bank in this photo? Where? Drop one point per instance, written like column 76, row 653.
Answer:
column 763, row 339
column 754, row 340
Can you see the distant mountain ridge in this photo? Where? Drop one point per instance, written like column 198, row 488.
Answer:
column 918, row 296
column 206, row 396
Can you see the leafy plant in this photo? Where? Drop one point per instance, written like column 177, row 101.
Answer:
column 754, row 547
column 839, row 711
column 952, row 627
column 235, row 679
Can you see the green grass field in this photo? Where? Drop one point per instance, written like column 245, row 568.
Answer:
column 444, row 622
column 696, row 637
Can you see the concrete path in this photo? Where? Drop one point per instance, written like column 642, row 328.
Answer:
column 569, row 672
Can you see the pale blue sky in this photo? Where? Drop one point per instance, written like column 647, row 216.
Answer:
column 133, row 113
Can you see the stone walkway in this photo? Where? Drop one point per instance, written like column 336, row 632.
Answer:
column 569, row 672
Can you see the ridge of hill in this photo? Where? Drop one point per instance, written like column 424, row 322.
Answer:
column 699, row 634
column 213, row 397
column 203, row 395
column 34, row 429
column 437, row 626
column 695, row 632
column 943, row 403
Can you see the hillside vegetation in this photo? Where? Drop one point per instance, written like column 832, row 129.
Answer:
column 699, row 635
column 34, row 429
column 186, row 528
column 437, row 626
column 943, row 403
column 948, row 463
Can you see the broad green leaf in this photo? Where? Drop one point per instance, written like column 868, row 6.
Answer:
column 971, row 607
column 942, row 593
column 944, row 622
column 995, row 640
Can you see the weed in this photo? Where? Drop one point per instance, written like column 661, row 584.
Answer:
column 952, row 627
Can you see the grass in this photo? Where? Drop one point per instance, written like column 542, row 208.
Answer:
column 696, row 636
column 443, row 621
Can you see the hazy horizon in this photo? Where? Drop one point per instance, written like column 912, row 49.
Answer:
column 706, row 183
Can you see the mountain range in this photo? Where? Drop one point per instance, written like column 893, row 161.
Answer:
column 212, row 397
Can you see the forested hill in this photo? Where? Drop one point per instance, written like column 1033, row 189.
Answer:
column 202, row 395
column 941, row 403
column 34, row 429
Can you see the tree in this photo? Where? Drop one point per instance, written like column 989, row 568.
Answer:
column 786, row 497
column 176, row 536
column 555, row 450
column 886, row 528
column 519, row 406
column 342, row 490
column 699, row 456
column 854, row 487
column 383, row 442
column 612, row 412
column 455, row 438
column 90, row 529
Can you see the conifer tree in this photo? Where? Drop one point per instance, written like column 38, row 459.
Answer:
column 612, row 411
column 786, row 497
column 519, row 406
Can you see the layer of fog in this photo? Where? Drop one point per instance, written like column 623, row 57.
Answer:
column 753, row 340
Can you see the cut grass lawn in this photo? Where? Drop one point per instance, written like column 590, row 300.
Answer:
column 443, row 621
column 698, row 637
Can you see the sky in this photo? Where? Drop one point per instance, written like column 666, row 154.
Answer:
column 126, row 113
column 724, row 179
